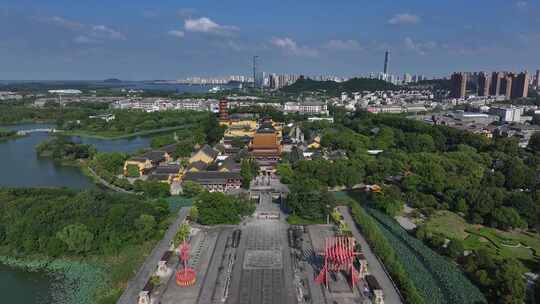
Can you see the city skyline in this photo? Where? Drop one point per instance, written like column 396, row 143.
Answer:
column 138, row 40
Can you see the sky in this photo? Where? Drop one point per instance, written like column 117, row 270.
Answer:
column 144, row 40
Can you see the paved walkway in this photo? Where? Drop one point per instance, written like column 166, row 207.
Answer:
column 263, row 271
column 136, row 284
column 375, row 267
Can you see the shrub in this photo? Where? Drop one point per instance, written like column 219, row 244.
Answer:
column 386, row 253
column 132, row 171
column 437, row 278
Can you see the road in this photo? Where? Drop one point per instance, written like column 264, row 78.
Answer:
column 375, row 267
column 136, row 284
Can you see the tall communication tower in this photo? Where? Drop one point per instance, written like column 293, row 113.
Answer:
column 386, row 55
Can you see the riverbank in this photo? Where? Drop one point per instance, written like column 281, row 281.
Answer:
column 116, row 136
column 94, row 279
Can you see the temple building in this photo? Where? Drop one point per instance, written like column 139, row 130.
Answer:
column 265, row 147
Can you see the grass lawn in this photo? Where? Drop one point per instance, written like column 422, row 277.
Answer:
column 505, row 244
column 448, row 224
column 296, row 220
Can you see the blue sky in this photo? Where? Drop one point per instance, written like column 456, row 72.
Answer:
column 136, row 40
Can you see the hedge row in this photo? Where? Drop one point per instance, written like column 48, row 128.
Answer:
column 386, row 253
column 437, row 278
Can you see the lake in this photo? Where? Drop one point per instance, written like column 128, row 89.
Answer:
column 22, row 168
column 18, row 286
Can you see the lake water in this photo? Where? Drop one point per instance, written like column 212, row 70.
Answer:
column 170, row 87
column 22, row 168
column 18, row 286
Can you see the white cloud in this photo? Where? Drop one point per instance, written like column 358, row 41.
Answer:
column 176, row 33
column 404, row 18
column 206, row 25
column 81, row 39
column 422, row 48
column 290, row 46
column 102, row 31
column 343, row 45
column 69, row 24
column 86, row 33
column 521, row 4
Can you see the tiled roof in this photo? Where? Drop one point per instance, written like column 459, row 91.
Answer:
column 209, row 151
column 154, row 155
column 199, row 165
column 169, row 148
column 211, row 177
column 230, row 165
column 167, row 169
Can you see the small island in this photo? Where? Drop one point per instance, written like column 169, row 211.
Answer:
column 9, row 134
column 61, row 148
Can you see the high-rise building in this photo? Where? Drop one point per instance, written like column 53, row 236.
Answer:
column 537, row 79
column 506, row 85
column 483, row 84
column 459, row 85
column 257, row 75
column 520, row 85
column 386, row 55
column 407, row 78
column 496, row 82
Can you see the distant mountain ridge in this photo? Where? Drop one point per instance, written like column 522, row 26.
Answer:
column 112, row 80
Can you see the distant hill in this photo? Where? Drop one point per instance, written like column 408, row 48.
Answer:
column 442, row 84
column 112, row 80
column 335, row 88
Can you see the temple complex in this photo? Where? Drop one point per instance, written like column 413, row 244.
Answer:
column 265, row 147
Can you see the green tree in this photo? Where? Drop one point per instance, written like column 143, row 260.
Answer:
column 506, row 218
column 191, row 189
column 217, row 208
column 77, row 237
column 182, row 234
column 511, row 285
column 455, row 248
column 248, row 170
column 133, row 171
column 309, row 199
column 194, row 214
column 145, row 225
column 214, row 132
column 153, row 189
column 534, row 142
column 184, row 149
column 285, row 172
column 112, row 162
